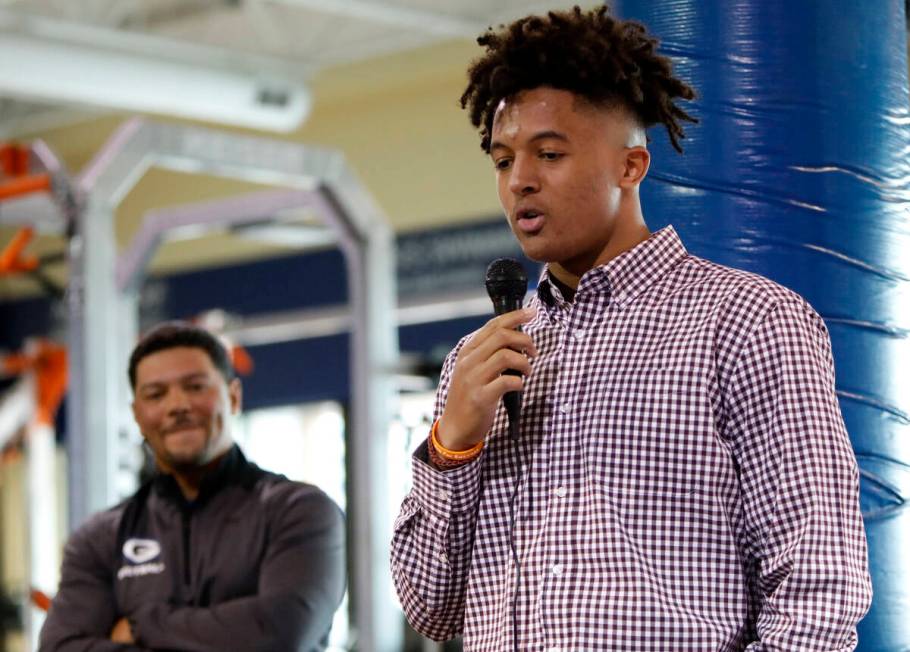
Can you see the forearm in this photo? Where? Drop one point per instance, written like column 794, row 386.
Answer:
column 84, row 610
column 432, row 544
column 266, row 623
column 76, row 643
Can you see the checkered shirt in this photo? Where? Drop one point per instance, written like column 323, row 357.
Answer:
column 686, row 479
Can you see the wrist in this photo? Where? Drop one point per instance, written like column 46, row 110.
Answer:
column 450, row 440
column 449, row 456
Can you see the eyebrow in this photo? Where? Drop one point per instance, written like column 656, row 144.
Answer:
column 550, row 134
column 154, row 384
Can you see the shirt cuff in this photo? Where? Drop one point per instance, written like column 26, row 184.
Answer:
column 443, row 493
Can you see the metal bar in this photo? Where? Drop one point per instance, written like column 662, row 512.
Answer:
column 43, row 537
column 373, row 356
column 247, row 209
column 97, row 395
column 287, row 326
column 25, row 185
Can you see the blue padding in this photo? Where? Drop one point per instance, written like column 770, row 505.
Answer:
column 800, row 171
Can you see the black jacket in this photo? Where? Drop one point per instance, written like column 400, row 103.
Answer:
column 256, row 562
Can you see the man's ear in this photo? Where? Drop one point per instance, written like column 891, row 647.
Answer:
column 235, row 395
column 635, row 166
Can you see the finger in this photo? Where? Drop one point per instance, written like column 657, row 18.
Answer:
column 471, row 379
column 510, row 321
column 501, row 361
column 492, row 392
column 503, row 339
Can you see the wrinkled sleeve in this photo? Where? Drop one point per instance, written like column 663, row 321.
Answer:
column 800, row 486
column 433, row 537
column 301, row 583
column 84, row 610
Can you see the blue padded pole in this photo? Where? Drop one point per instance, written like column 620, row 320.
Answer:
column 800, row 170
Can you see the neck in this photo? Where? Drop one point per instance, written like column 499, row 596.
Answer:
column 190, row 478
column 626, row 235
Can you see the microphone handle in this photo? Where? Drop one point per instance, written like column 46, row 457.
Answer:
column 512, row 400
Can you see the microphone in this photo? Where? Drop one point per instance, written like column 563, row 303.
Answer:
column 507, row 285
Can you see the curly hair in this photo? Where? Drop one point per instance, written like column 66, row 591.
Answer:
column 592, row 54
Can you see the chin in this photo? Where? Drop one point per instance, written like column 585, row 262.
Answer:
column 540, row 252
column 186, row 458
column 533, row 248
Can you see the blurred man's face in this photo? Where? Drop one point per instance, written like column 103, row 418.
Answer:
column 183, row 405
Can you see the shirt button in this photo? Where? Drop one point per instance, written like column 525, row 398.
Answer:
column 561, row 492
column 443, row 495
column 557, row 569
column 566, row 407
column 443, row 557
column 579, row 335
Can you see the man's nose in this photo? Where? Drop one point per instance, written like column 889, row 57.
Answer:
column 524, row 179
column 177, row 401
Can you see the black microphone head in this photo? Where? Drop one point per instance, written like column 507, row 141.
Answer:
column 506, row 280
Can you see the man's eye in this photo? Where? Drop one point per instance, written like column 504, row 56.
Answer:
column 550, row 156
column 502, row 164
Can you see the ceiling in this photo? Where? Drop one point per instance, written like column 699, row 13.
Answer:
column 288, row 40
column 344, row 53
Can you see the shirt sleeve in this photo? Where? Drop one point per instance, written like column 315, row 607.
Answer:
column 799, row 480
column 301, row 583
column 84, row 610
column 433, row 537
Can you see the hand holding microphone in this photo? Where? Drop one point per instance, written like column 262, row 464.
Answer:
column 486, row 365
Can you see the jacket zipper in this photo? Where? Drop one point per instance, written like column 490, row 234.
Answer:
column 186, row 547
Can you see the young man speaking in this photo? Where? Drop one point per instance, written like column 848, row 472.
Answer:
column 682, row 479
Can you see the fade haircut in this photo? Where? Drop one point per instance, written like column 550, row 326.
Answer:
column 173, row 334
column 607, row 61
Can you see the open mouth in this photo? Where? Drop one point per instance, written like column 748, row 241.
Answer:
column 529, row 220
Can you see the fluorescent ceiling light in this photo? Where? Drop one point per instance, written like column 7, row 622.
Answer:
column 71, row 73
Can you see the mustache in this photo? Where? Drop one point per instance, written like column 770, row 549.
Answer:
column 180, row 424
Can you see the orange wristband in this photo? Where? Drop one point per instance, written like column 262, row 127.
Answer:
column 454, row 456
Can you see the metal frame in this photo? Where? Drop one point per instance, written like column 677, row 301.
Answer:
column 102, row 303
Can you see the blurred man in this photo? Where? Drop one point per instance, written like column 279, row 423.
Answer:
column 213, row 553
column 682, row 479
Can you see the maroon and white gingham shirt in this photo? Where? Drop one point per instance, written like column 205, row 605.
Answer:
column 687, row 481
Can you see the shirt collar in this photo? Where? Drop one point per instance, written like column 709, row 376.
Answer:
column 233, row 468
column 627, row 275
